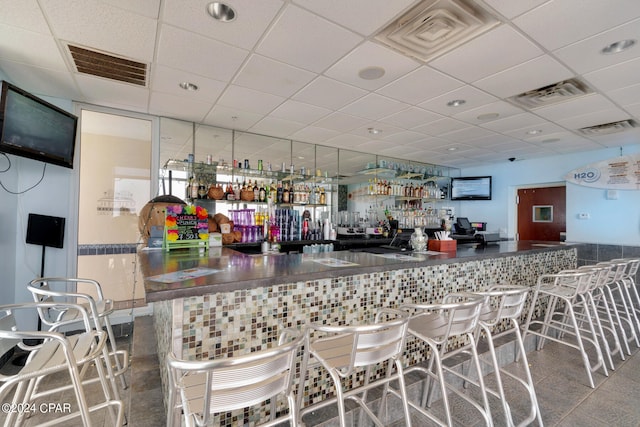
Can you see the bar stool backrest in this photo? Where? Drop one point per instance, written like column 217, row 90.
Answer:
column 617, row 272
column 580, row 280
column 631, row 265
column 213, row 386
column 600, row 276
column 503, row 302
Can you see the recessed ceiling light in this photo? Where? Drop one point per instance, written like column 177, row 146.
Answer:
column 618, row 47
column 374, row 131
column 488, row 116
column 221, row 11
column 452, row 149
column 550, row 140
column 188, row 86
column 371, row 73
column 534, row 132
column 456, row 103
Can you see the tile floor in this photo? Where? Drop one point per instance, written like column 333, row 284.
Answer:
column 564, row 395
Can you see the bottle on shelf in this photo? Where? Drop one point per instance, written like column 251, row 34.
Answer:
column 262, row 193
column 194, row 189
column 256, row 191
column 285, row 194
column 323, row 198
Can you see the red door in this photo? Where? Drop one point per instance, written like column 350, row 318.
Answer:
column 541, row 213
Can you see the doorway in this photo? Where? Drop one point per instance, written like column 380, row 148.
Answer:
column 542, row 213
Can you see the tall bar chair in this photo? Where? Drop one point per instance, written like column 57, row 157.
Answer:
column 435, row 324
column 198, row 389
column 564, row 291
column 619, row 305
column 52, row 289
column 55, row 355
column 344, row 350
column 629, row 282
column 505, row 303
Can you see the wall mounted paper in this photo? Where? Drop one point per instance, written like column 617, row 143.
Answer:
column 620, row 173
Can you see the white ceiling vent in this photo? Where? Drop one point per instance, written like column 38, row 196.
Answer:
column 608, row 128
column 434, row 27
column 552, row 94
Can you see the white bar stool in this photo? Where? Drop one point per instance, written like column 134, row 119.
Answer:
column 629, row 282
column 435, row 325
column 504, row 303
column 56, row 354
column 202, row 388
column 564, row 291
column 344, row 350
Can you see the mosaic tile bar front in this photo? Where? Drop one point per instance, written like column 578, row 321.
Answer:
column 233, row 323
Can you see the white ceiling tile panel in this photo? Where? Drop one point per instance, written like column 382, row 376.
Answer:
column 232, row 118
column 562, row 22
column 519, row 121
column 341, row 122
column 121, row 94
column 473, row 98
column 148, row 8
column 594, row 119
column 249, row 100
column 44, row 52
column 267, row 75
column 165, row 79
column 405, row 137
column 511, row 9
column 475, row 116
column 300, row 112
column 411, row 117
column 534, row 74
column 306, row 41
column 374, row 107
column 168, row 105
column 535, row 131
column 24, row 14
column 492, row 52
column 253, row 18
column 626, row 95
column 586, row 55
column 269, row 124
column 98, row 25
column 576, row 107
column 420, row 85
column 42, row 81
column 616, row 76
column 346, row 141
column 191, row 52
column 441, row 126
column 363, row 16
column 329, row 93
column 314, row 134
column 367, row 55
column 468, row 134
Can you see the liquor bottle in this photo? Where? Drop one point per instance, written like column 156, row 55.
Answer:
column 256, row 191
column 285, row 193
column 187, row 189
column 194, row 189
column 229, row 194
column 323, row 197
column 236, row 190
column 262, row 193
column 279, row 192
column 202, row 189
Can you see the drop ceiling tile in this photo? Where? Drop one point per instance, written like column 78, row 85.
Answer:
column 404, row 137
column 363, row 16
column 616, row 76
column 385, row 130
column 626, row 95
column 44, row 52
column 165, row 79
column 148, row 8
column 564, row 147
column 306, row 41
column 183, row 50
column 634, row 109
column 585, row 56
column 41, row 81
column 593, row 119
column 629, row 137
column 346, row 141
column 367, row 55
column 490, row 53
column 168, row 105
column 474, row 116
column 250, row 100
column 374, row 107
column 371, row 146
column 576, row 107
column 468, row 134
column 116, row 94
column 252, row 19
column 420, row 85
column 341, row 122
column 536, row 73
column 314, row 134
column 329, row 93
column 535, row 131
column 490, row 141
column 231, row 118
column 560, row 23
column 519, row 121
column 565, row 137
column 511, row 9
column 441, row 126
column 473, row 98
column 267, row 75
column 273, row 125
column 25, row 14
column 300, row 112
column 78, row 21
column 411, row 117
column 430, row 143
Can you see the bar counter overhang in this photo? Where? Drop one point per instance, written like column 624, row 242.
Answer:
column 222, row 302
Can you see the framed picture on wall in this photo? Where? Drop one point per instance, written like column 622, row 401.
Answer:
column 543, row 214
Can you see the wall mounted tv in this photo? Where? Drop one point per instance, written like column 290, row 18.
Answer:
column 31, row 127
column 471, row 188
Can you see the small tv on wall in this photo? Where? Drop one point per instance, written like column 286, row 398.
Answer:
column 471, row 188
column 33, row 128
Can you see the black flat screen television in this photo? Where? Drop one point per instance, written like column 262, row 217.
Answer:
column 33, row 128
column 45, row 230
column 471, row 188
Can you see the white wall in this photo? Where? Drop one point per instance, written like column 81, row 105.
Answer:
column 611, row 221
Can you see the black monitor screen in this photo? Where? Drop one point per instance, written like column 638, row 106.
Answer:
column 45, row 230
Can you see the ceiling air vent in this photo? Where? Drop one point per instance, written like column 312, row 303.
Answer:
column 108, row 66
column 434, row 27
column 608, row 128
column 552, row 94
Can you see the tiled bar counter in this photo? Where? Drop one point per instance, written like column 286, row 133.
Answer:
column 239, row 303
